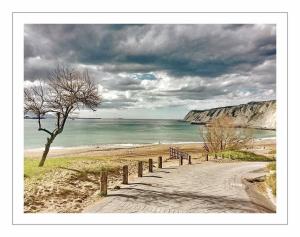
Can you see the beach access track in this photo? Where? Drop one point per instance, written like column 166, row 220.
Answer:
column 208, row 187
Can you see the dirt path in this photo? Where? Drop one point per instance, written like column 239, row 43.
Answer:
column 207, row 187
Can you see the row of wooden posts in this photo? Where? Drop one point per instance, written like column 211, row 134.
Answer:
column 104, row 180
column 103, row 185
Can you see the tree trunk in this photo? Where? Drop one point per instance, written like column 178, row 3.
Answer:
column 45, row 153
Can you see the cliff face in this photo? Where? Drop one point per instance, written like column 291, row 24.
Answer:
column 253, row 115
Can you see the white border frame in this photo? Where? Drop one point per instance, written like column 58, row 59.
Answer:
column 18, row 21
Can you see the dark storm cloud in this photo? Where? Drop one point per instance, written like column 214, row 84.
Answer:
column 197, row 50
column 196, row 92
column 234, row 26
column 122, row 84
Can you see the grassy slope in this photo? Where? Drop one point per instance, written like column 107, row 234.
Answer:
column 81, row 164
column 243, row 155
column 65, row 184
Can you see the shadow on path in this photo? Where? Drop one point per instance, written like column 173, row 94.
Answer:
column 152, row 176
column 212, row 202
column 138, row 184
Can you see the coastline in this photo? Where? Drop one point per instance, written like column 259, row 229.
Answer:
column 109, row 147
column 239, row 126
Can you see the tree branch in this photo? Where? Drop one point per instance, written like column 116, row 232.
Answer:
column 40, row 126
column 45, row 130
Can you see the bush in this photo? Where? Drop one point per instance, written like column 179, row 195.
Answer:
column 221, row 134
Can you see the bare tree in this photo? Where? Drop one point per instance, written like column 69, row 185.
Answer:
column 65, row 91
column 221, row 134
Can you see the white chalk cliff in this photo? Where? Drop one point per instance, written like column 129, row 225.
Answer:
column 260, row 115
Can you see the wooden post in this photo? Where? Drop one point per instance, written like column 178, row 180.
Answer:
column 181, row 160
column 140, row 169
column 125, row 174
column 206, row 157
column 159, row 162
column 216, row 156
column 150, row 165
column 190, row 160
column 103, row 183
column 222, row 156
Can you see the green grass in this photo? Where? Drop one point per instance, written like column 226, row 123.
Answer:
column 271, row 178
column 242, row 155
column 272, row 152
column 31, row 166
column 81, row 164
column 272, row 166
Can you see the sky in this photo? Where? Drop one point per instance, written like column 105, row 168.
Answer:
column 159, row 71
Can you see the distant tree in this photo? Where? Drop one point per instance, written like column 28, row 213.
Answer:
column 221, row 134
column 64, row 91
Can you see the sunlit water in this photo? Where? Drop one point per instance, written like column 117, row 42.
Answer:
column 83, row 132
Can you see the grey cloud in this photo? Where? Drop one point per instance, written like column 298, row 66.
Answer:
column 122, row 83
column 243, row 56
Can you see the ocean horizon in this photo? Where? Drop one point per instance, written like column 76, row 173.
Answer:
column 119, row 132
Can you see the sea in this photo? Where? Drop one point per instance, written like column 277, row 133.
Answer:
column 119, row 132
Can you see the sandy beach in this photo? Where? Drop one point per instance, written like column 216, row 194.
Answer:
column 69, row 182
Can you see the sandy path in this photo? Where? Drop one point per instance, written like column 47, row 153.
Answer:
column 200, row 188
